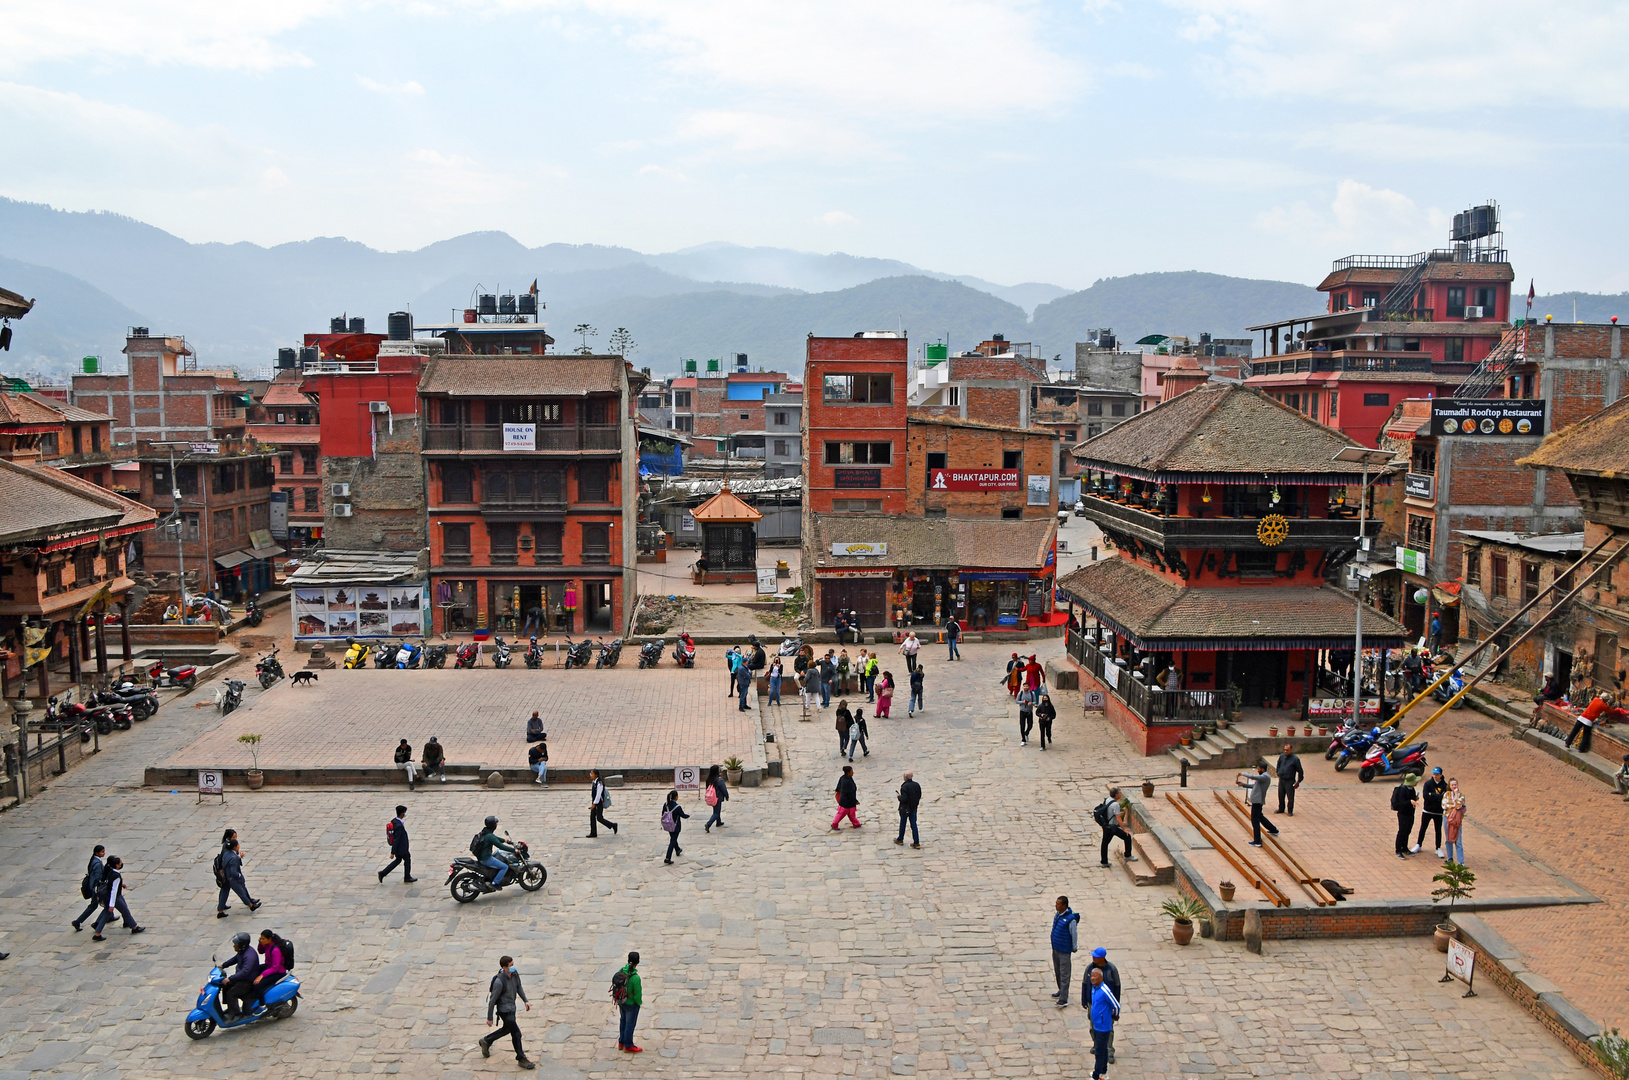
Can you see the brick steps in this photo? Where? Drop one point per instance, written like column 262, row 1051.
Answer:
column 1153, row 865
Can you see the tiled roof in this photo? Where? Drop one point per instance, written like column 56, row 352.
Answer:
column 1595, row 446
column 936, row 420
column 935, row 543
column 25, row 409
column 1155, row 612
column 283, row 435
column 71, row 413
column 42, row 502
column 1217, row 428
column 725, row 507
column 549, row 375
column 286, row 394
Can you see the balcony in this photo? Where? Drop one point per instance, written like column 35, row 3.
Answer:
column 1154, row 706
column 547, row 504
column 488, row 438
column 1340, row 360
column 1220, row 533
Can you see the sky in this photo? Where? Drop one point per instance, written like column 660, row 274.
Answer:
column 1009, row 139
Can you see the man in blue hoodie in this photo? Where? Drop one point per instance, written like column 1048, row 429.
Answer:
column 1065, row 940
column 1105, row 1011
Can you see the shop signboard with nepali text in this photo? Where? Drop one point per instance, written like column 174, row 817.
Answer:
column 975, row 480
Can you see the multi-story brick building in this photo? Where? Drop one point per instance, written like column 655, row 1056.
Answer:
column 222, row 538
column 164, row 395
column 712, row 404
column 1502, row 572
column 532, row 490
column 285, row 421
column 854, row 419
column 996, row 382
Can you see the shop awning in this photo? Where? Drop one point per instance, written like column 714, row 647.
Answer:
column 1447, row 593
column 267, row 552
column 233, row 558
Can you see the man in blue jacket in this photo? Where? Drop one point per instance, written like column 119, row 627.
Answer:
column 1065, row 940
column 400, row 854
column 93, row 874
column 1111, row 980
column 1105, row 1011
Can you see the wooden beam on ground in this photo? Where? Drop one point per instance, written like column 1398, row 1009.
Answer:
column 1279, row 853
column 1235, row 858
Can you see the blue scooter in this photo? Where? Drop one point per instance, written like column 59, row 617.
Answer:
column 1360, row 745
column 1449, row 687
column 407, row 655
column 277, row 1003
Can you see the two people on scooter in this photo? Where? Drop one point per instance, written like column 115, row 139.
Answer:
column 487, row 848
column 260, row 966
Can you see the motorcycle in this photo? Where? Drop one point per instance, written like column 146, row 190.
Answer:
column 534, row 655
column 1360, row 745
column 436, row 657
column 791, row 646
column 1383, row 761
column 609, row 654
column 1449, row 687
column 253, row 613
column 384, row 655
column 229, row 697
column 685, row 651
column 356, row 654
column 467, row 879
column 578, row 652
column 277, row 1003
column 468, row 655
column 650, row 653
column 408, row 656
column 141, row 699
column 185, row 676
column 268, row 670
column 104, row 718
column 501, row 657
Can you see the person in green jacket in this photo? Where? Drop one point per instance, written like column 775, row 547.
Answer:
column 634, row 996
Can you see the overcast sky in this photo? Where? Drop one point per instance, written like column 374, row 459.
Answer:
column 1008, row 139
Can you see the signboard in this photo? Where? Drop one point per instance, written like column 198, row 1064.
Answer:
column 366, row 611
column 687, row 522
column 687, row 778
column 209, row 782
column 1487, row 416
column 1095, row 701
column 279, row 514
column 1335, row 708
column 856, row 478
column 520, row 436
column 1420, row 485
column 1411, row 562
column 1461, row 965
column 766, row 581
column 976, row 480
column 1040, row 490
column 859, row 549
column 205, row 448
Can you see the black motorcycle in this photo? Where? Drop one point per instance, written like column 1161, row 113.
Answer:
column 253, row 613
column 534, row 655
column 142, row 700
column 435, row 656
column 232, row 697
column 609, row 654
column 650, row 653
column 384, row 656
column 467, row 879
column 268, row 670
column 578, row 653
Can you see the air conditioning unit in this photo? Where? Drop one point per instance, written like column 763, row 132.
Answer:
column 342, row 509
column 378, row 406
column 1473, row 313
column 339, row 491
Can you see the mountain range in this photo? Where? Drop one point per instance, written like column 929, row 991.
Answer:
column 95, row 274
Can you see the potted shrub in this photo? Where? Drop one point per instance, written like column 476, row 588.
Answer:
column 732, row 769
column 1148, row 789
column 1323, row 730
column 1455, row 882
column 1226, row 888
column 254, row 776
column 1184, row 912
column 1272, row 731
column 1187, row 738
column 1223, row 724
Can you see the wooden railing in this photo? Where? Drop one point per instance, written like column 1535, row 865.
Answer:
column 1154, row 706
column 490, row 437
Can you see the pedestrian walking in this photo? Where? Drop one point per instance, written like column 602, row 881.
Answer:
column 1431, row 796
column 632, row 995
column 885, row 695
column 848, row 799
column 743, row 679
column 845, row 724
column 1111, row 979
column 918, row 679
column 673, row 816
column 717, row 795
column 1290, row 774
column 858, row 735
column 112, row 899
column 1403, row 798
column 90, row 885
column 1026, row 716
column 434, row 759
column 598, row 800
column 1110, row 817
column 1034, row 677
column 501, row 995
column 1046, row 712
column 1014, row 678
column 229, row 877
column 873, row 667
column 909, row 648
column 400, row 854
column 910, row 797
column 1258, row 782
column 404, row 758
column 1065, row 943
column 538, row 758
column 1105, row 1010
column 775, row 681
column 1583, row 729
column 953, row 637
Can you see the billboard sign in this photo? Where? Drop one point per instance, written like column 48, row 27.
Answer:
column 1419, row 485
column 1487, row 416
column 976, row 480
column 857, row 478
column 520, row 436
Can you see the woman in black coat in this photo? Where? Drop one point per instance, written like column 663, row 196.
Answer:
column 672, row 807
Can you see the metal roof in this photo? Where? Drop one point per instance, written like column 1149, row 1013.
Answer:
column 1545, row 544
column 340, row 567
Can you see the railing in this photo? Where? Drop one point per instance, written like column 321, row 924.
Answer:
column 552, row 502
column 490, row 437
column 1405, row 262
column 1418, row 314
column 1225, row 532
column 1340, row 360
column 1154, row 706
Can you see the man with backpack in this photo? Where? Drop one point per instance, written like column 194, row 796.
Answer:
column 1108, row 815
column 111, row 897
column 89, row 885
column 628, row 993
column 919, row 677
column 500, row 999
column 396, row 837
column 598, row 800
column 229, row 877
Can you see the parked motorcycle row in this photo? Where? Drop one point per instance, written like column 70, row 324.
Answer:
column 1377, row 748
column 406, row 655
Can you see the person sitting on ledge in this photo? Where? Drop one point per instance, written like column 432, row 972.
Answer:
column 534, row 727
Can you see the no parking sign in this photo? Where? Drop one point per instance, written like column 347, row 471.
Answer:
column 687, row 778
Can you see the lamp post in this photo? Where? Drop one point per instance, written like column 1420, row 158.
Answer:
column 175, row 520
column 1377, row 458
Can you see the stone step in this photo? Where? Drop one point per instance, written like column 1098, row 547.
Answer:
column 1182, row 753
column 1201, row 753
column 1153, row 865
column 1230, row 737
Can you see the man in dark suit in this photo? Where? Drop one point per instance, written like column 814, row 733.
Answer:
column 396, row 833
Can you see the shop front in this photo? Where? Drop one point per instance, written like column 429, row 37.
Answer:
column 477, row 605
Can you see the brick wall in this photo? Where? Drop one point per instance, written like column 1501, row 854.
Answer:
column 974, row 448
column 842, row 422
column 387, row 495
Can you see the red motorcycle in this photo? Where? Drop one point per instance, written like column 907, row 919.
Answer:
column 468, row 655
column 1389, row 762
column 185, row 676
column 685, row 651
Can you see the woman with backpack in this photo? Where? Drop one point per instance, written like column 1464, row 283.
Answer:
column 717, row 795
column 845, row 721
column 112, row 899
column 91, row 885
column 275, row 956
column 673, row 816
column 885, row 694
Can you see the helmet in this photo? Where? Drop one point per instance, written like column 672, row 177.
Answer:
column 1375, row 732
column 491, row 822
column 240, row 942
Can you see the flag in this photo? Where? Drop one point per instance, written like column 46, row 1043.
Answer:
column 1530, row 296
column 534, row 287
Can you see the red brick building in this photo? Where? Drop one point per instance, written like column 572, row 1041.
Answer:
column 854, row 421
column 285, row 421
column 712, row 404
column 532, row 473
column 1228, row 513
column 164, row 395
column 996, row 382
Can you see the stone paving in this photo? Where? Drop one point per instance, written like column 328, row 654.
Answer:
column 772, row 947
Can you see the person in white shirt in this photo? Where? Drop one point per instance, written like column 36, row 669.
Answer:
column 910, row 647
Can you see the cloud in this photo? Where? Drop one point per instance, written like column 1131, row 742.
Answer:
column 665, row 173
column 1443, row 56
column 762, row 135
column 835, row 217
column 197, row 33
column 405, row 89
column 1374, row 219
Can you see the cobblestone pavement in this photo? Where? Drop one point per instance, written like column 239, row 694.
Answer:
column 772, row 947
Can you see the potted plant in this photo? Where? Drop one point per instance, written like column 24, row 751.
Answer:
column 1323, row 730
column 254, row 776
column 1184, row 911
column 1223, row 724
column 732, row 769
column 1226, row 888
column 1272, row 731
column 1187, row 738
column 1148, row 789
column 1455, row 882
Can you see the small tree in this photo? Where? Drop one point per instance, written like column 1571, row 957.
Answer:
column 621, row 342
column 253, row 743
column 1457, row 884
column 1612, row 1050
column 585, row 331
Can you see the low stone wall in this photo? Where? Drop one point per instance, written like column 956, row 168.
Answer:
column 393, row 776
column 174, row 634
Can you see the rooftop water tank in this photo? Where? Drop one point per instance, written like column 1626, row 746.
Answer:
column 336, row 325
column 506, row 304
column 488, row 304
column 935, row 354
column 689, row 367
column 359, row 325
column 287, row 358
column 528, row 304
column 91, row 364
column 399, row 325
column 712, row 365
column 308, row 355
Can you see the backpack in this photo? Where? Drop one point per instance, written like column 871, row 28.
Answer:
column 219, row 866
column 85, row 890
column 390, row 832
column 1399, row 801
column 619, row 986
column 475, row 844
column 712, row 795
column 668, row 822
column 1101, row 814
column 286, row 947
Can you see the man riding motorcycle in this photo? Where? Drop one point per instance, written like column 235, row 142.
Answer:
column 487, row 847
column 239, row 989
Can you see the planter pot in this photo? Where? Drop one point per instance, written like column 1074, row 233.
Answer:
column 734, row 775
column 1182, row 932
column 256, row 779
column 1323, row 731
column 1223, row 725
column 1272, row 732
column 1148, row 789
column 1307, row 729
column 1186, row 741
column 1226, row 888
column 1444, row 933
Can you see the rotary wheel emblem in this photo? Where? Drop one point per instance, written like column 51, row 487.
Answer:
column 1273, row 530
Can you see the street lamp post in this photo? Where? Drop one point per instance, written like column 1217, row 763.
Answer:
column 1366, row 458
column 177, row 522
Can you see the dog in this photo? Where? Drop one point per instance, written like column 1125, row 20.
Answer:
column 301, row 678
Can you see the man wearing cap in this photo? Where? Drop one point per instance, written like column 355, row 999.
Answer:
column 1111, row 979
column 1403, row 799
column 1431, row 809
column 1104, row 1010
column 434, row 760
column 1065, row 941
column 1257, row 782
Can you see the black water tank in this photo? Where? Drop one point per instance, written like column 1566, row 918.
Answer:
column 506, row 304
column 528, row 304
column 400, row 326
column 308, row 355
column 359, row 325
column 336, row 325
column 285, row 358
column 488, row 304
